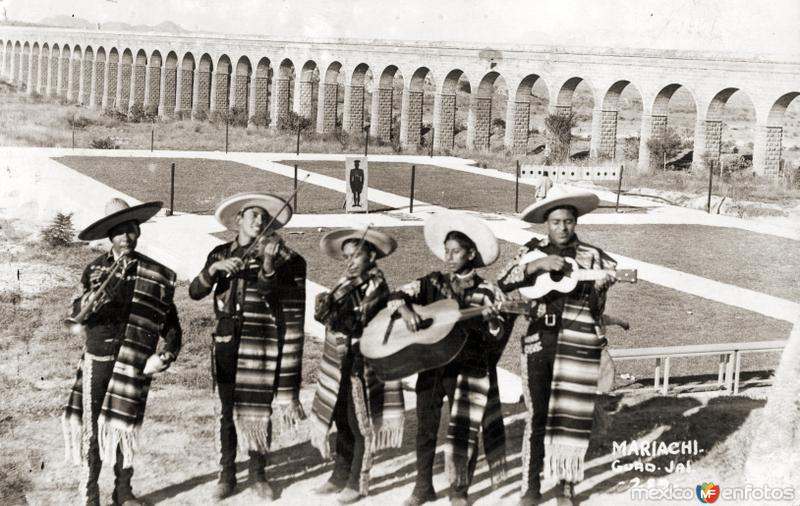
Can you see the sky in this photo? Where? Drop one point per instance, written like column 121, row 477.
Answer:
column 741, row 26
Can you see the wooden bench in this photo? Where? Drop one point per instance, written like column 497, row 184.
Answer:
column 730, row 359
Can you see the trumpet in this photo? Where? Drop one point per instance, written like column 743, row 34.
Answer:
column 101, row 295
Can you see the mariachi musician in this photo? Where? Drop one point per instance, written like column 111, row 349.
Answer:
column 367, row 412
column 259, row 302
column 464, row 243
column 125, row 304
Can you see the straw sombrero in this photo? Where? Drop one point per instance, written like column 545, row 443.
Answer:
column 583, row 201
column 331, row 243
column 228, row 209
column 117, row 212
column 440, row 224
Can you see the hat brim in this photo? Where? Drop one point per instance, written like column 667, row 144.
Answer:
column 440, row 224
column 100, row 228
column 583, row 202
column 276, row 207
column 331, row 243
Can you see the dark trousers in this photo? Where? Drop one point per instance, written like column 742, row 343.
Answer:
column 540, row 376
column 225, row 360
column 96, row 375
column 350, row 443
column 432, row 387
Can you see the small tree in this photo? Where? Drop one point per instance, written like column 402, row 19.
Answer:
column 559, row 127
column 60, row 232
column 664, row 147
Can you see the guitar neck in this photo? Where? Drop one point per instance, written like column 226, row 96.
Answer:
column 512, row 306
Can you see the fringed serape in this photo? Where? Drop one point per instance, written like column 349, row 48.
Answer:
column 124, row 403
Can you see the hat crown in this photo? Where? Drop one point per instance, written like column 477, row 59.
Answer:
column 115, row 205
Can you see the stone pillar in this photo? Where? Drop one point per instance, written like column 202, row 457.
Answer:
column 240, row 94
column 328, row 97
column 177, row 112
column 33, row 74
column 185, row 96
column 111, row 86
column 222, row 80
column 444, row 120
column 518, row 117
column 411, row 118
column 305, row 97
column 707, row 142
column 25, row 70
column 98, row 83
column 64, row 78
column 202, row 93
column 260, row 96
column 124, row 87
column 479, row 125
column 87, row 70
column 138, row 82
column 51, row 85
column 43, row 71
column 654, row 126
column 767, row 149
column 152, row 87
column 252, row 104
column 74, row 79
column 381, row 123
column 605, row 148
column 167, row 92
column 353, row 116
column 15, row 65
column 280, row 101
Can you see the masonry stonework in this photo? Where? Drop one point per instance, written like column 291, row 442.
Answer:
column 383, row 128
column 261, row 111
column 713, row 140
column 658, row 127
column 170, row 84
column 444, row 135
column 413, row 119
column 242, row 91
column 519, row 128
column 24, row 70
column 330, row 107
column 203, row 90
column 608, row 135
column 306, row 92
column 281, row 99
column 356, row 109
column 774, row 150
column 138, row 83
column 124, row 99
column 187, row 81
column 483, row 123
column 111, row 93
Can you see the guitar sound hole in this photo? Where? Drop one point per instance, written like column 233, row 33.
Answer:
column 426, row 323
column 557, row 276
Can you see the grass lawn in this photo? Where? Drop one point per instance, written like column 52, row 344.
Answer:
column 763, row 263
column 199, row 184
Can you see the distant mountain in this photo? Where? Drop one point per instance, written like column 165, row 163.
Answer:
column 84, row 24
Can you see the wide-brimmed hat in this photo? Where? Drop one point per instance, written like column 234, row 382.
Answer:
column 331, row 243
column 228, row 209
column 117, row 212
column 440, row 224
column 583, row 201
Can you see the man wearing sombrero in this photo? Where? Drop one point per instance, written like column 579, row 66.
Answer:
column 562, row 346
column 464, row 243
column 259, row 302
column 367, row 412
column 121, row 323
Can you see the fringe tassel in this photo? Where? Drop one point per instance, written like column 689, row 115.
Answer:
column 365, row 429
column 72, row 429
column 564, row 462
column 253, row 435
column 319, row 438
column 457, row 475
column 498, row 470
column 110, row 437
column 286, row 418
column 390, row 435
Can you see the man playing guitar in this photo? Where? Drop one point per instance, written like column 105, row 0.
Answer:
column 560, row 369
column 464, row 243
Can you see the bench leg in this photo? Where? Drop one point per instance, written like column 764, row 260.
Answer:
column 657, row 374
column 737, row 373
column 665, row 386
column 729, row 373
column 721, row 372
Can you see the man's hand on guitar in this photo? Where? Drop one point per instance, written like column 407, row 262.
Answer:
column 491, row 312
column 550, row 263
column 410, row 317
column 602, row 284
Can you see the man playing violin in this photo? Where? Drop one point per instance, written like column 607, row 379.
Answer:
column 126, row 303
column 259, row 303
column 367, row 412
column 469, row 381
column 560, row 369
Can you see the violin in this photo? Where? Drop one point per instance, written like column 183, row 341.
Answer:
column 329, row 304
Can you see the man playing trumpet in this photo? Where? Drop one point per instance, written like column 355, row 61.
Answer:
column 125, row 305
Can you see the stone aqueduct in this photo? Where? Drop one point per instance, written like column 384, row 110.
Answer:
column 180, row 74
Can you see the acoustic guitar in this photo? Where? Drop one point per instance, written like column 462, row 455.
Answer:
column 565, row 281
column 395, row 352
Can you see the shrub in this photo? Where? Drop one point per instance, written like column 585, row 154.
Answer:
column 201, row 115
column 559, row 128
column 292, row 121
column 60, row 232
column 79, row 122
column 261, row 119
column 114, row 114
column 151, row 112
column 669, row 146
column 106, row 143
column 136, row 113
column 238, row 116
column 630, row 148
